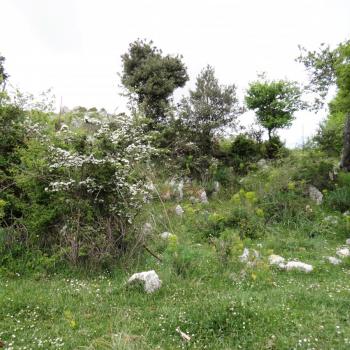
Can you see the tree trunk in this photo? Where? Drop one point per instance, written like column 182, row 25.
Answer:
column 345, row 161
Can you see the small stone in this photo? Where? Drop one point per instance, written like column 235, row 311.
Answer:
column 180, row 187
column 331, row 220
column 149, row 279
column 147, row 228
column 245, row 255
column 343, row 252
column 216, row 187
column 347, row 241
column 203, row 197
column 276, row 259
column 166, row 235
column 315, row 195
column 178, row 210
column 333, row 260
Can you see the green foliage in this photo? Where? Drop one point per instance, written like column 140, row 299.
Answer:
column 330, row 135
column 208, row 109
column 274, row 103
column 151, row 78
column 244, row 151
column 315, row 170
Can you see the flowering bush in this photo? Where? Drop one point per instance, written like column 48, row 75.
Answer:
column 84, row 190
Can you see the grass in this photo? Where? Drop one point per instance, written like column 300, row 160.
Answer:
column 218, row 301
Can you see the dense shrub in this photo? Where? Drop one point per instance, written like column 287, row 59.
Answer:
column 80, row 200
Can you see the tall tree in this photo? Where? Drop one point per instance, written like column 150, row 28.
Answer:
column 151, row 78
column 274, row 103
column 209, row 108
column 327, row 68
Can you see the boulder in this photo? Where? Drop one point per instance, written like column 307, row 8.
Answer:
column 149, row 279
column 315, row 195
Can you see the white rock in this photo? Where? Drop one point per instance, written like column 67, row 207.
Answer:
column 64, row 127
column 216, row 187
column 315, row 195
column 343, row 252
column 331, row 219
column 149, row 279
column 178, row 210
column 346, row 213
column 245, row 255
column 347, row 241
column 297, row 265
column 147, row 228
column 166, row 235
column 203, row 197
column 333, row 260
column 180, row 187
column 276, row 259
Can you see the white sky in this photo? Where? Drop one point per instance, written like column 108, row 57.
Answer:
column 74, row 46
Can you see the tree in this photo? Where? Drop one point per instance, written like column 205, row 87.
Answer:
column 209, row 108
column 274, row 103
column 327, row 68
column 3, row 77
column 151, row 78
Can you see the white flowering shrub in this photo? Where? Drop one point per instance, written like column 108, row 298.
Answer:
column 86, row 188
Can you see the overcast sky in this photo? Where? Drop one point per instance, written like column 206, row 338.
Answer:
column 74, row 46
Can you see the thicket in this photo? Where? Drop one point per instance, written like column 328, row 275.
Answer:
column 73, row 184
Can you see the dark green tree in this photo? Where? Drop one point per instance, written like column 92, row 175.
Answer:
column 274, row 103
column 329, row 68
column 151, row 78
column 208, row 109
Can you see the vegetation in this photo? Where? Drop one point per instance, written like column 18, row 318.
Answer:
column 87, row 198
column 274, row 103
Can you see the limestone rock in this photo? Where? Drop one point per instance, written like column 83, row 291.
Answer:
column 343, row 252
column 333, row 220
column 333, row 260
column 203, row 197
column 149, row 279
column 178, row 210
column 276, row 259
column 315, row 195
column 245, row 255
column 296, row 265
column 180, row 187
column 166, row 235
column 147, row 228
